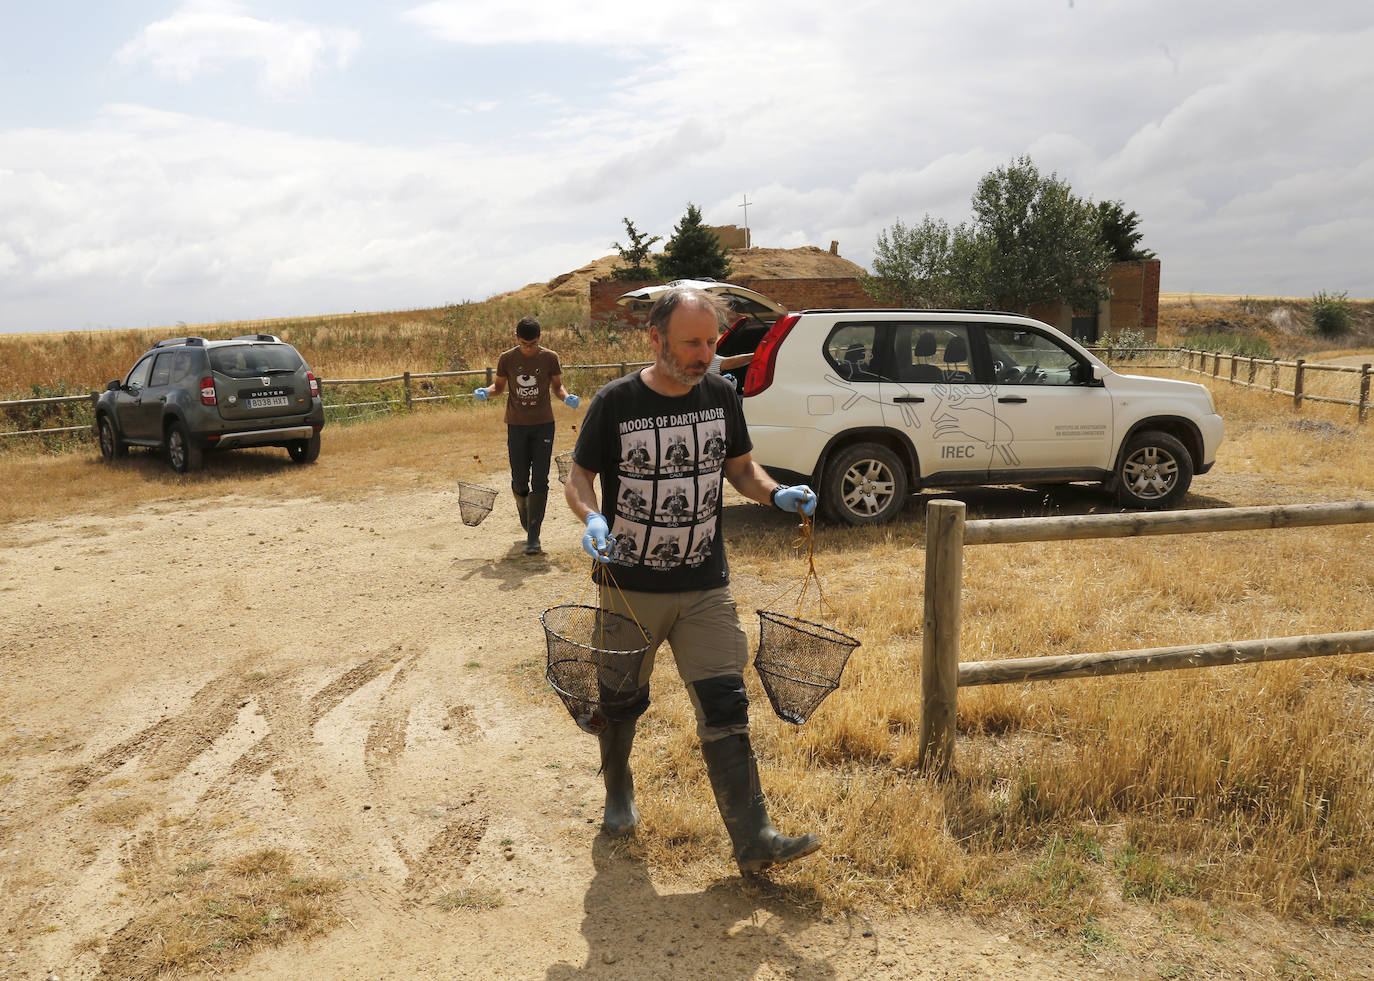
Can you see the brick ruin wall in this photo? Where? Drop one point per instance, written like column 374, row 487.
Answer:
column 1134, row 303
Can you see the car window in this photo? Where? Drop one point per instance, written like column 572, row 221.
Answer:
column 850, row 349
column 928, row 353
column 1021, row 356
column 162, row 369
column 137, row 379
column 247, row 360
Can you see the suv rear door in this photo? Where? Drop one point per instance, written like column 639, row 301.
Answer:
column 259, row 380
column 1056, row 417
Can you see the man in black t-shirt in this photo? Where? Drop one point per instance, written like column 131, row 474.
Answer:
column 672, row 433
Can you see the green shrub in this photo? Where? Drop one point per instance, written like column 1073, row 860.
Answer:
column 1330, row 313
column 1238, row 344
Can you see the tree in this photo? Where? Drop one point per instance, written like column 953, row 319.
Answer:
column 1042, row 243
column 925, row 265
column 694, row 251
column 1119, row 232
column 635, row 256
column 1031, row 241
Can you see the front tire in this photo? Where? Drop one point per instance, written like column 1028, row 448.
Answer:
column 305, row 450
column 183, row 453
column 111, row 448
column 864, row 484
column 1154, row 473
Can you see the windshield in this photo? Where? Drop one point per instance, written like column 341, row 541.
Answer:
column 247, row 360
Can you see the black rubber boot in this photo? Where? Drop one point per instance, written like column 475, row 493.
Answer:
column 537, row 502
column 621, row 815
column 734, row 773
column 523, row 508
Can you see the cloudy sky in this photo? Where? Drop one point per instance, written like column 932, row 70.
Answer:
column 166, row 161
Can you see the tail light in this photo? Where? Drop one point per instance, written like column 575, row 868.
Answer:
column 207, row 391
column 314, row 384
column 760, row 374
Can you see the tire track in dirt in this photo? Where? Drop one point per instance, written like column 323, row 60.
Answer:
column 172, row 742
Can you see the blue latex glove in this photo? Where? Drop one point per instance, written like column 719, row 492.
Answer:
column 480, row 394
column 597, row 541
column 572, row 401
column 799, row 499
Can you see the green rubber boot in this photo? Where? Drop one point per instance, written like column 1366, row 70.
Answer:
column 734, row 773
column 621, row 816
column 534, row 518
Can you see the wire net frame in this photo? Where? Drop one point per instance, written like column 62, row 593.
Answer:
column 800, row 662
column 564, row 461
column 474, row 502
column 595, row 657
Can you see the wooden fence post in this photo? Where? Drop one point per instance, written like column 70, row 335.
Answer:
column 1274, row 375
column 940, row 640
column 1251, row 381
column 1234, row 361
column 1364, row 390
column 405, row 380
column 489, row 377
column 622, row 369
column 1297, row 387
column 1216, row 363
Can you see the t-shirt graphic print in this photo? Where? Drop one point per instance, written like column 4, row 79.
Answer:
column 662, row 466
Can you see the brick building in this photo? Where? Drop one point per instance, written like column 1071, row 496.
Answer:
column 1134, row 304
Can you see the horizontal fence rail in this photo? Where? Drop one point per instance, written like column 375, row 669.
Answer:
column 947, row 533
column 1185, row 359
column 407, row 396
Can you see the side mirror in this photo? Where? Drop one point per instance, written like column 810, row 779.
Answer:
column 112, row 386
column 1099, row 373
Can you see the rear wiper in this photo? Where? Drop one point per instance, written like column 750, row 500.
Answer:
column 278, row 371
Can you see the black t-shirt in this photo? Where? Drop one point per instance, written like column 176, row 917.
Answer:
column 662, row 466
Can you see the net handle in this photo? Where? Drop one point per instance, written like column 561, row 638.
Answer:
column 806, row 537
column 591, row 581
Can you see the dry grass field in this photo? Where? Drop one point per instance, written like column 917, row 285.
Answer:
column 283, row 721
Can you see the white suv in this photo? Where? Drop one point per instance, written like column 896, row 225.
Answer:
column 869, row 405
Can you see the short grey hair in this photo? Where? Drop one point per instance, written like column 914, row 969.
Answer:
column 662, row 310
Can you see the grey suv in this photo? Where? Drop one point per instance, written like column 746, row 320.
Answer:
column 189, row 395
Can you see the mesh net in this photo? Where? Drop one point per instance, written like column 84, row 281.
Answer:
column 564, row 461
column 799, row 663
column 474, row 502
column 594, row 661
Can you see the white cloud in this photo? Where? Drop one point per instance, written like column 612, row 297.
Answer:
column 206, row 35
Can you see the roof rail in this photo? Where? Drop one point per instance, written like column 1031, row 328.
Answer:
column 190, row 341
column 258, row 337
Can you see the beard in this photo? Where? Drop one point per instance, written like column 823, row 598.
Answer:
column 682, row 372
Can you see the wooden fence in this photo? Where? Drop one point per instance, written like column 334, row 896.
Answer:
column 942, row 674
column 1274, row 371
column 1185, row 359
column 410, row 394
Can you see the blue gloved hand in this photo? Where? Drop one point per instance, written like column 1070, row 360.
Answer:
column 597, row 541
column 572, row 401
column 480, row 394
column 799, row 499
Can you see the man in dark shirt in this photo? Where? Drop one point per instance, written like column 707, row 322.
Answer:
column 664, row 427
column 532, row 372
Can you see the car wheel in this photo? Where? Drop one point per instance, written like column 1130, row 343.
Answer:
column 1154, row 472
column 183, row 453
column 864, row 484
column 110, row 446
column 305, row 450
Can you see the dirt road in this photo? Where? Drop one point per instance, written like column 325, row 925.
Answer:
column 356, row 683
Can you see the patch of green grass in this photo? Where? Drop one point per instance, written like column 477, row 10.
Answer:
column 1146, row 878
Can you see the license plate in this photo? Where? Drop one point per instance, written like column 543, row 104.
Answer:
column 271, row 402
